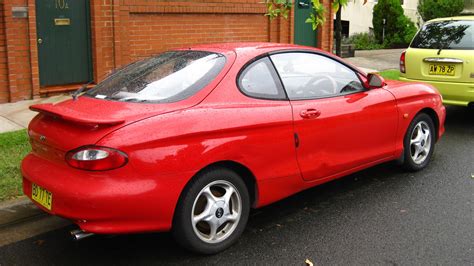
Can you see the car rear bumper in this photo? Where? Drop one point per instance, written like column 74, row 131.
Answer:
column 111, row 202
column 454, row 93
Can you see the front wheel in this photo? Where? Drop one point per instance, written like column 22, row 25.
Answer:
column 419, row 143
column 212, row 212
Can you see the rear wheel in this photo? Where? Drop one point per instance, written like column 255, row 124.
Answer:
column 419, row 143
column 213, row 211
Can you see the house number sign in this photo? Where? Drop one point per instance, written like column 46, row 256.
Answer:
column 61, row 4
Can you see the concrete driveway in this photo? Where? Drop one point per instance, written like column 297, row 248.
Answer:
column 377, row 59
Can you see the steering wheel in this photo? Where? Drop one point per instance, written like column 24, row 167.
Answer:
column 315, row 83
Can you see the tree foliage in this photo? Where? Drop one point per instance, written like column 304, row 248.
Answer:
column 431, row 9
column 336, row 4
column 276, row 8
column 316, row 17
column 399, row 29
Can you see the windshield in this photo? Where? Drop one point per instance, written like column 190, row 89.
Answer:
column 452, row 34
column 168, row 77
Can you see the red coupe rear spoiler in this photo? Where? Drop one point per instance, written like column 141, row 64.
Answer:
column 73, row 115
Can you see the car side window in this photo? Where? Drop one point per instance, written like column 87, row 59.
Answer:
column 311, row 76
column 260, row 80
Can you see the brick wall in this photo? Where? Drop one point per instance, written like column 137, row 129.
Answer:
column 4, row 91
column 152, row 33
column 326, row 32
column 18, row 52
column 102, row 31
column 126, row 30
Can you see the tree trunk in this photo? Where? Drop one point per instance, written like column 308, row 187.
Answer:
column 338, row 31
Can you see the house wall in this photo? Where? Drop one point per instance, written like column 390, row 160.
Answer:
column 410, row 10
column 4, row 91
column 152, row 33
column 127, row 30
column 469, row 7
column 360, row 15
column 16, row 42
column 326, row 31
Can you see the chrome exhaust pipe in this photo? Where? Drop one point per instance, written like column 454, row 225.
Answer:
column 80, row 234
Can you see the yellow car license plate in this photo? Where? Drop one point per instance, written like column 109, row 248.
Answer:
column 444, row 70
column 42, row 196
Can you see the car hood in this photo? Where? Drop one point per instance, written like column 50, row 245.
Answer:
column 74, row 123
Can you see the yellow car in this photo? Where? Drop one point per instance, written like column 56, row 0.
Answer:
column 442, row 54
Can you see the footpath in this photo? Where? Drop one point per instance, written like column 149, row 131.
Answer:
column 16, row 116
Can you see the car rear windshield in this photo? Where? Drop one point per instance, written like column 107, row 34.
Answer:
column 168, row 77
column 450, row 34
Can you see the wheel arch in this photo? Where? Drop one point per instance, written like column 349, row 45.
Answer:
column 243, row 171
column 432, row 114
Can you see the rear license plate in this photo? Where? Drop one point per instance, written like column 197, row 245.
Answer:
column 42, row 196
column 443, row 70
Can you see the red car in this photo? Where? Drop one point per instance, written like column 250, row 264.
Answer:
column 190, row 140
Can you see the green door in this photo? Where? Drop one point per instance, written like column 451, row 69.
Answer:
column 63, row 41
column 304, row 33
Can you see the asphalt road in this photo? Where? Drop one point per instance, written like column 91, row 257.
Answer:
column 382, row 215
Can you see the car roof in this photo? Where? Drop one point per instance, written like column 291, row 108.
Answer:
column 242, row 45
column 245, row 47
column 246, row 50
column 453, row 18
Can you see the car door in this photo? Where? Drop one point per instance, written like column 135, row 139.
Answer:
column 266, row 120
column 340, row 124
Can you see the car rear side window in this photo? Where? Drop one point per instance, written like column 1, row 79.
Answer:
column 450, row 34
column 168, row 77
column 259, row 80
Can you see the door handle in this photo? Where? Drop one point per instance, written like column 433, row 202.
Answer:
column 310, row 113
column 40, row 41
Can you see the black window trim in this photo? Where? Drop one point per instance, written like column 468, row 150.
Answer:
column 356, row 71
column 273, row 72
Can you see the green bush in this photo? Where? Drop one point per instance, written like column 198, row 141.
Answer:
column 363, row 41
column 399, row 29
column 403, row 38
column 431, row 9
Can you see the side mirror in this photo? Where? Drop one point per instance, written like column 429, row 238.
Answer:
column 375, row 80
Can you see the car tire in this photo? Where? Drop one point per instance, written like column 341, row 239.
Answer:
column 212, row 211
column 419, row 143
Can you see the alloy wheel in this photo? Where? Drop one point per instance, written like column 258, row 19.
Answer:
column 216, row 211
column 420, row 142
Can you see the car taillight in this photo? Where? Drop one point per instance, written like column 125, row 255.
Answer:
column 402, row 62
column 96, row 158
